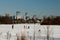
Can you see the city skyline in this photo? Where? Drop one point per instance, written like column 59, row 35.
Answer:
column 32, row 7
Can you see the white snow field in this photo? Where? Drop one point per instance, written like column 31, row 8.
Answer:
column 29, row 31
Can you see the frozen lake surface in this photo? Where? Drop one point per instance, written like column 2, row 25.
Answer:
column 30, row 31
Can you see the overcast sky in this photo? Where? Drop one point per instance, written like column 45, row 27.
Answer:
column 33, row 7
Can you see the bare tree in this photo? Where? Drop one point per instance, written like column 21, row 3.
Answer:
column 34, row 16
column 26, row 15
column 8, row 35
column 48, row 31
column 17, row 12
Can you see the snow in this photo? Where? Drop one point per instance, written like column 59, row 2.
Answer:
column 22, row 29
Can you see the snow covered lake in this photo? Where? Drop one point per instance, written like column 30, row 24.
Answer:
column 30, row 31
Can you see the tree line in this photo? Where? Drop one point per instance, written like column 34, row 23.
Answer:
column 51, row 20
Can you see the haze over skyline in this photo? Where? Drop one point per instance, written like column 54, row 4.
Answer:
column 32, row 7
